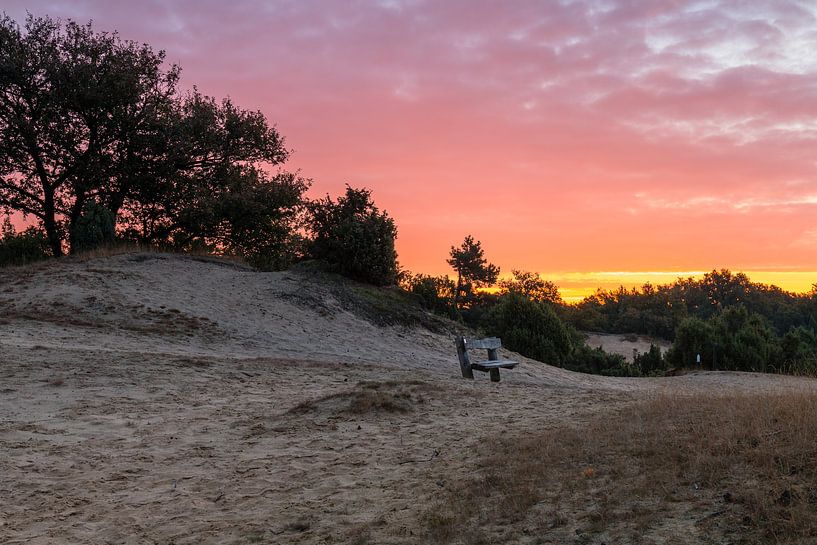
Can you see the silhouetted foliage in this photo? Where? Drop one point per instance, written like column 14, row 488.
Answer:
column 21, row 248
column 354, row 237
column 473, row 270
column 435, row 293
column 659, row 310
column 88, row 117
column 214, row 172
column 531, row 286
column 530, row 328
column 95, row 227
column 650, row 362
column 82, row 115
column 799, row 351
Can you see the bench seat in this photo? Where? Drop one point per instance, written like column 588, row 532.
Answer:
column 494, row 364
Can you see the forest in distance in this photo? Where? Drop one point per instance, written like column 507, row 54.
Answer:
column 99, row 147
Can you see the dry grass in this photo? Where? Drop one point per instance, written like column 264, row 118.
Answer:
column 699, row 469
column 369, row 397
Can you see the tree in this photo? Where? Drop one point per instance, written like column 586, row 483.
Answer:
column 81, row 117
column 353, row 237
column 651, row 362
column 693, row 337
column 87, row 117
column 473, row 270
column 531, row 286
column 214, row 149
column 251, row 215
column 435, row 293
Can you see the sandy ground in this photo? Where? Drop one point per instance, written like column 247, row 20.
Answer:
column 159, row 399
column 624, row 345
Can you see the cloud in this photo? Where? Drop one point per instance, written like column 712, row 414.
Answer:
column 558, row 111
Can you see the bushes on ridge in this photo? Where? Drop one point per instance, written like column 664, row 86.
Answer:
column 95, row 227
column 530, row 328
column 354, row 237
column 21, row 248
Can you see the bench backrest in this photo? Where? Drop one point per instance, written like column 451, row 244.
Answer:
column 488, row 343
column 491, row 344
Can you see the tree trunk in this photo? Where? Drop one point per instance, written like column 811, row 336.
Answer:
column 458, row 291
column 50, row 223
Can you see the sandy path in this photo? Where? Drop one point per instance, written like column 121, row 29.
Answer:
column 129, row 448
column 136, row 449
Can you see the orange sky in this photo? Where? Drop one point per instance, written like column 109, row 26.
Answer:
column 578, row 136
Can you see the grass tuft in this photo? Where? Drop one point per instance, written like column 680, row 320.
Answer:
column 369, row 397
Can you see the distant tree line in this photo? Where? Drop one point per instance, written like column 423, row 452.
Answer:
column 726, row 319
column 525, row 311
column 723, row 318
column 99, row 146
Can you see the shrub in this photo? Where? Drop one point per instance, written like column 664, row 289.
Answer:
column 530, row 328
column 354, row 237
column 799, row 351
column 651, row 362
column 21, row 248
column 435, row 293
column 596, row 361
column 94, row 228
column 694, row 336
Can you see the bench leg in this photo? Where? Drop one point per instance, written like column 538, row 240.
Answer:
column 494, row 374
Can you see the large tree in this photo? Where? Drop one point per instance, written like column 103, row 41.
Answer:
column 215, row 170
column 82, row 117
column 532, row 286
column 86, row 117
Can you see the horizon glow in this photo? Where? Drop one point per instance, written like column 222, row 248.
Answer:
column 577, row 136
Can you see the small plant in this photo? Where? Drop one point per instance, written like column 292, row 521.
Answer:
column 21, row 248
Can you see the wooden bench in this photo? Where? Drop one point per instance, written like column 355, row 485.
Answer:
column 492, row 365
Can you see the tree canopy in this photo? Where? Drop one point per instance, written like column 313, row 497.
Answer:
column 532, row 286
column 88, row 117
column 354, row 237
column 473, row 269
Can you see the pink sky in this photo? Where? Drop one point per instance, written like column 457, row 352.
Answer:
column 567, row 136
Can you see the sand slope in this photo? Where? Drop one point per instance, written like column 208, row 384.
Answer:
column 165, row 399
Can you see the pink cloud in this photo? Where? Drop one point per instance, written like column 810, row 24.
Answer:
column 566, row 135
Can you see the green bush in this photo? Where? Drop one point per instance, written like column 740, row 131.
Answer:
column 435, row 293
column 693, row 336
column 799, row 351
column 530, row 328
column 96, row 227
column 354, row 237
column 596, row 361
column 651, row 362
column 21, row 248
column 739, row 340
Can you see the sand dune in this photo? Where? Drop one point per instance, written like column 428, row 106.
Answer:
column 164, row 399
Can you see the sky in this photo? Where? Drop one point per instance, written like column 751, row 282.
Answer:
column 598, row 142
